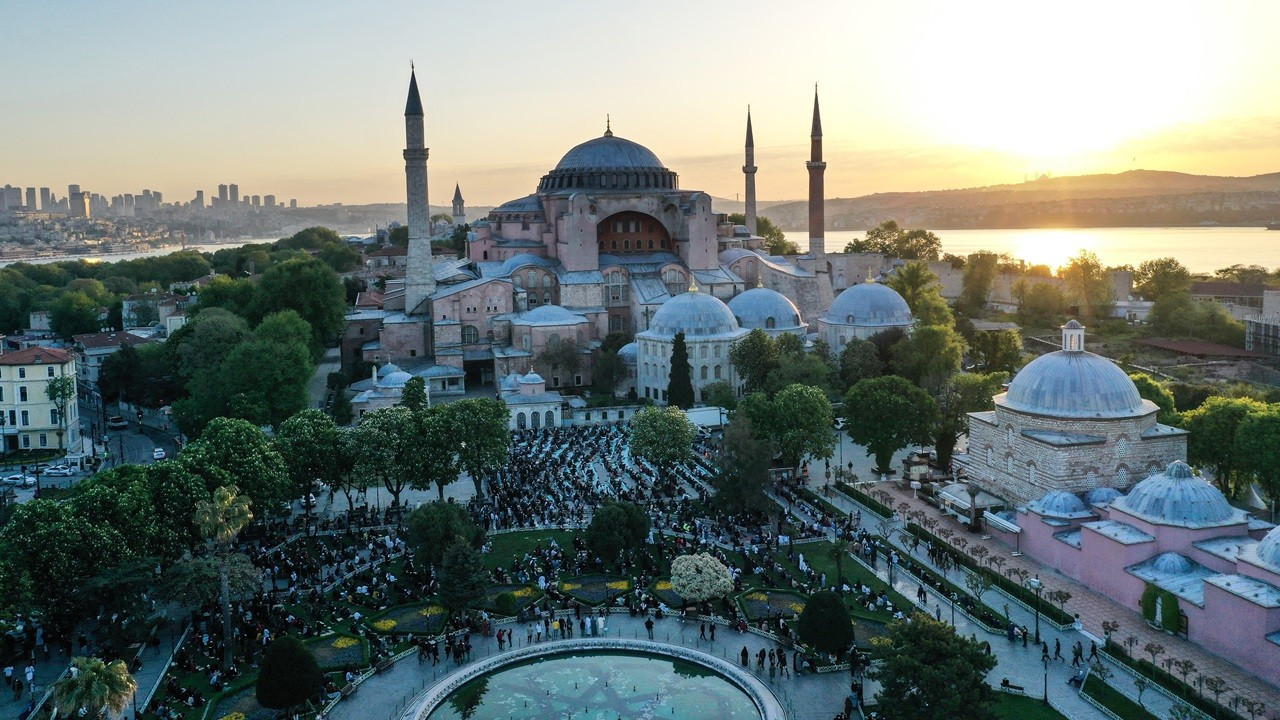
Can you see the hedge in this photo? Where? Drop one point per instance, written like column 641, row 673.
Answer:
column 1170, row 682
column 874, row 505
column 1111, row 699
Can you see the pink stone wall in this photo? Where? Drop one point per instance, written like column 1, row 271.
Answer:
column 1236, row 628
column 1102, row 564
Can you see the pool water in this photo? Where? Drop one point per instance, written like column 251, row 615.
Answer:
column 599, row 686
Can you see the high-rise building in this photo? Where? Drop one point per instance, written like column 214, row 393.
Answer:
column 199, row 201
column 234, row 190
column 46, row 200
column 257, row 200
column 31, row 199
column 80, row 206
column 158, row 197
column 269, row 200
column 72, row 191
column 222, row 194
column 293, row 203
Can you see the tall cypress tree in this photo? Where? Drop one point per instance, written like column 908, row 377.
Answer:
column 680, row 382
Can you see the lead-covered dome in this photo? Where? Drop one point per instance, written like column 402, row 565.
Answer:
column 1269, row 548
column 1074, row 384
column 628, row 353
column 608, row 163
column 549, row 316
column 1178, row 496
column 765, row 309
column 694, row 314
column 608, row 152
column 869, row 304
column 1059, row 504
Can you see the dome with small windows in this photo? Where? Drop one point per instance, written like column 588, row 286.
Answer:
column 1178, row 497
column 694, row 314
column 869, row 304
column 766, row 309
column 531, row 378
column 1059, row 504
column 1074, row 383
column 1268, row 550
column 609, row 152
column 396, row 379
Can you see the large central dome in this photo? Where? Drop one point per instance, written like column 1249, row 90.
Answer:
column 694, row 314
column 1074, row 384
column 609, row 152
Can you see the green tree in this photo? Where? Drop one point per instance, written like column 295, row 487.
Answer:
column 386, row 444
column 789, row 344
column 340, row 257
column 927, row 671
column 172, row 486
column 1161, row 277
column 742, row 469
column 236, row 296
column 1155, row 391
column 435, row 527
column 1213, row 428
column 616, row 527
column 462, row 577
column 798, row 421
column 561, row 356
column 234, row 451
column 434, row 456
column 754, row 357
column 196, row 581
column 825, row 624
column 96, row 688
column 918, row 285
column 979, row 273
column 75, row 313
column 997, row 350
column 61, row 391
column 663, row 436
column 929, row 355
column 775, row 242
column 1089, row 284
column 680, row 380
column 964, row 393
column 858, row 361
column 889, row 239
column 1244, row 274
column 720, row 394
column 886, row 414
column 1041, row 303
column 271, row 377
column 220, row 519
column 415, row 394
column 1256, row 442
column 805, row 369
column 608, row 372
column 204, row 342
column 483, row 425
column 313, row 449
column 308, row 287
column 289, row 675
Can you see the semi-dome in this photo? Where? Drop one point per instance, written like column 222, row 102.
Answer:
column 526, row 204
column 694, row 314
column 763, row 308
column 1101, row 496
column 549, row 316
column 1177, row 496
column 1059, row 504
column 1269, row 548
column 1171, row 563
column 869, row 304
column 609, row 152
column 1074, row 384
column 628, row 353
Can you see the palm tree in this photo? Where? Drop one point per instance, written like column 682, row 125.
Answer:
column 836, row 552
column 94, row 686
column 220, row 520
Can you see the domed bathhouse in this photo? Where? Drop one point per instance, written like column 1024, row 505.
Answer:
column 768, row 310
column 1176, row 533
column 862, row 311
column 1070, row 420
column 709, row 331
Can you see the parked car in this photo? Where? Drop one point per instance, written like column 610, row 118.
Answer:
column 115, row 422
column 158, row 454
column 19, row 480
column 60, row 471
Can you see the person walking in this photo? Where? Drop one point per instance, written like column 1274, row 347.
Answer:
column 760, row 659
column 782, row 663
column 1024, row 636
column 1093, row 652
column 1057, row 649
column 713, row 632
column 1044, row 652
column 702, row 631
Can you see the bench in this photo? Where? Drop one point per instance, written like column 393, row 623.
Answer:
column 1010, row 687
column 348, row 690
column 384, row 664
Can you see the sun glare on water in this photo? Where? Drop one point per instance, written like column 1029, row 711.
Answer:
column 1054, row 248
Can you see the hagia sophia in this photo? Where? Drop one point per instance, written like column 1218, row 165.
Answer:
column 610, row 243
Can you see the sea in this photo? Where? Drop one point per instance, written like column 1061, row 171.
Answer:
column 1200, row 249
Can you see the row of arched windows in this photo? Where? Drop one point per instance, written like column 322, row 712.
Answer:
column 558, row 180
column 534, row 420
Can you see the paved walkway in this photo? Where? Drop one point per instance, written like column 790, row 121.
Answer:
column 1093, row 607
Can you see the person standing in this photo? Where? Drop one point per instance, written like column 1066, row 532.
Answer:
column 782, row 662
column 648, row 625
column 745, row 656
column 713, row 632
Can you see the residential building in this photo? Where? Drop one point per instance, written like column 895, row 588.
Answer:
column 29, row 420
column 94, row 348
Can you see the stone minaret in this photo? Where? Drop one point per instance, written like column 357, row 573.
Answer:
column 750, row 171
column 817, row 234
column 420, row 280
column 459, row 207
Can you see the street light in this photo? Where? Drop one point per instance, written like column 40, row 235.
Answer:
column 1035, row 584
column 954, row 598
column 1045, row 659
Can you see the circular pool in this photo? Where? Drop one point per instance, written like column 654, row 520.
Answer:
column 601, row 680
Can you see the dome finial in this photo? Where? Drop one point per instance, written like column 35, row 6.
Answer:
column 693, row 285
column 608, row 126
column 760, row 281
column 871, row 278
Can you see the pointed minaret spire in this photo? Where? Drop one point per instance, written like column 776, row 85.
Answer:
column 749, row 170
column 413, row 106
column 817, row 195
column 457, row 192
column 420, row 280
column 608, row 126
column 459, row 207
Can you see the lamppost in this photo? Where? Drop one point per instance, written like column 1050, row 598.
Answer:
column 954, row 598
column 1045, row 659
column 1035, row 584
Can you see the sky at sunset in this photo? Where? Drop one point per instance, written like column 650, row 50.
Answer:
column 305, row 99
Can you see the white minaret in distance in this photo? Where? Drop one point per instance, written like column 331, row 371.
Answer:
column 749, row 169
column 420, row 280
column 459, row 207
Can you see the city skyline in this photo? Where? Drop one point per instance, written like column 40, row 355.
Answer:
column 920, row 96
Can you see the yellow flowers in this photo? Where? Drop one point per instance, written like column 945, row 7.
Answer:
column 570, row 586
column 759, row 596
column 524, row 592
column 233, row 716
column 619, row 585
column 344, row 642
column 797, row 607
column 663, row 585
column 430, row 610
column 384, row 625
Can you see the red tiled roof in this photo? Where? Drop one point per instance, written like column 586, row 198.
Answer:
column 390, row 251
column 1200, row 348
column 369, row 298
column 94, row 341
column 35, row 356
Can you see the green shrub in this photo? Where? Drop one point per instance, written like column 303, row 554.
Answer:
column 1150, row 597
column 1171, row 618
column 505, row 603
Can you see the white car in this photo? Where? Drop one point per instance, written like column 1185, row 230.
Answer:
column 60, row 471
column 158, row 454
column 19, row 480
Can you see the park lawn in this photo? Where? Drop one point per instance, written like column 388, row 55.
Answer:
column 1020, row 707
column 510, row 546
column 1113, row 700
column 816, row 556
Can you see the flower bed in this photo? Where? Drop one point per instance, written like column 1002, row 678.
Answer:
column 663, row 591
column 595, row 589
column 241, row 700
column 524, row 596
column 338, row 652
column 759, row 604
column 419, row 618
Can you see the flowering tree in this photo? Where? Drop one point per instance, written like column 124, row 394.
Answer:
column 700, row 577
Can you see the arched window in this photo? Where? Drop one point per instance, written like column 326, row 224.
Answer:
column 1008, row 435
column 525, row 343
column 1008, row 463
column 520, row 421
column 770, row 323
column 535, row 419
column 717, row 372
column 704, row 372
column 702, row 353
column 551, row 420
column 991, row 457
column 716, row 352
column 546, row 297
column 546, row 281
column 675, row 281
column 1032, row 473
column 470, row 334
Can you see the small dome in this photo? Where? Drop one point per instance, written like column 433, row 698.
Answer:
column 1177, row 497
column 1058, row 503
column 549, row 316
column 1269, row 549
column 532, row 378
column 765, row 309
column 869, row 304
column 1074, row 385
column 526, row 204
column 397, row 379
column 1171, row 563
column 628, row 353
column 607, row 152
column 694, row 314
column 1101, row 496
column 387, row 369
